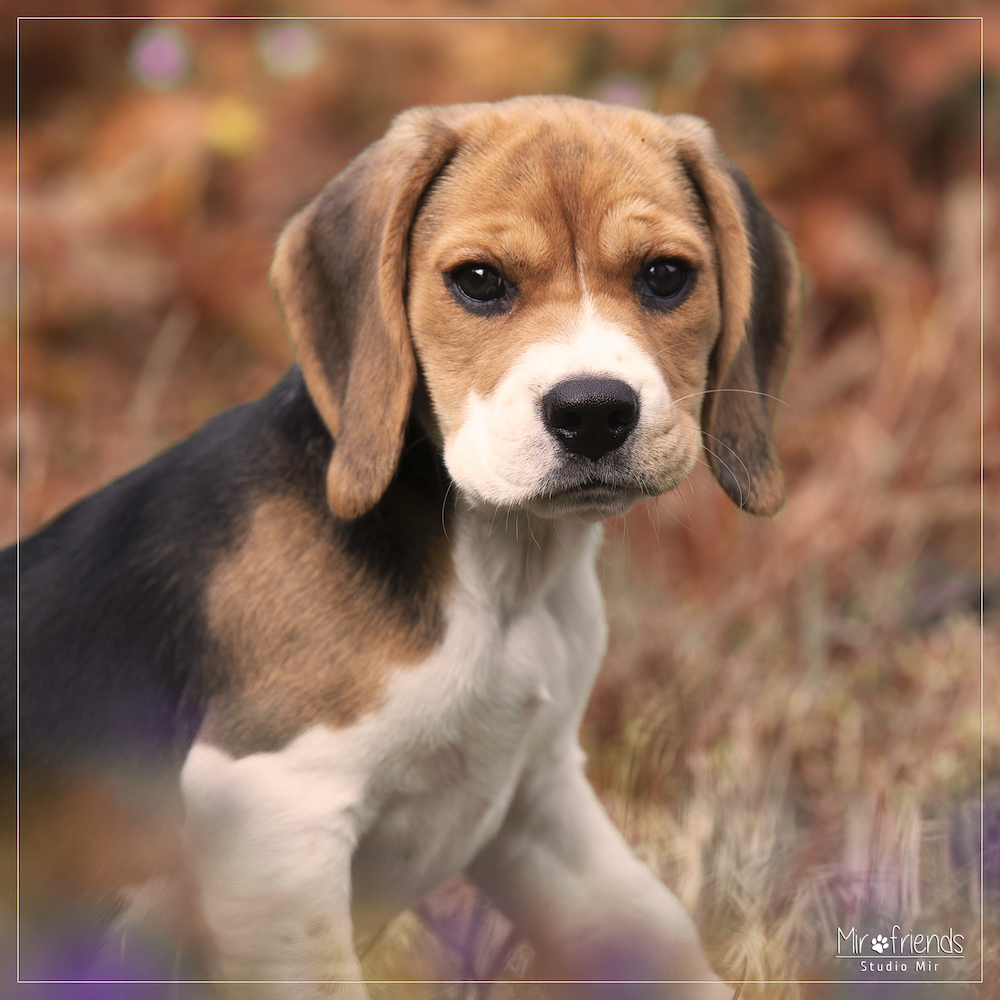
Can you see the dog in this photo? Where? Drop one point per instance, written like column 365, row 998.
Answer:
column 360, row 617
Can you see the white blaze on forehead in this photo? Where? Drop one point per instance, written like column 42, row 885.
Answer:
column 502, row 452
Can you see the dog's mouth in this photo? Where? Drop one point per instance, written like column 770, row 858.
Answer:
column 594, row 498
column 593, row 486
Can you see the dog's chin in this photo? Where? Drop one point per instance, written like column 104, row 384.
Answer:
column 589, row 502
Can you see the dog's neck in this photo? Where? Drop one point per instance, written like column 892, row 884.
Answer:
column 516, row 557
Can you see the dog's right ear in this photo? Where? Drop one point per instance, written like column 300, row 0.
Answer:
column 339, row 276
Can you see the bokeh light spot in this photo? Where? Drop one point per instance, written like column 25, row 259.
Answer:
column 234, row 126
column 628, row 90
column 158, row 57
column 289, row 49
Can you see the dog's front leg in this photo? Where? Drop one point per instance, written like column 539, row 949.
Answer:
column 561, row 871
column 273, row 844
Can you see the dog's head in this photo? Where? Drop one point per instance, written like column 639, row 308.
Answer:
column 584, row 297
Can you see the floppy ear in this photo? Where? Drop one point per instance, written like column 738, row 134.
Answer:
column 339, row 276
column 760, row 290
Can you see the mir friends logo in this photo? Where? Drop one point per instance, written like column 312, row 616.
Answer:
column 897, row 952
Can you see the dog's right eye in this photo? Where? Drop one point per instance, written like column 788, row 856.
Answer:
column 480, row 282
column 665, row 278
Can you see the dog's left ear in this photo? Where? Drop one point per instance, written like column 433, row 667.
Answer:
column 759, row 280
column 339, row 276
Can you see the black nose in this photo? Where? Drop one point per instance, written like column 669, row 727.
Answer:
column 591, row 416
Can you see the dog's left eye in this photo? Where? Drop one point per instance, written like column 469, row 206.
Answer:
column 665, row 278
column 480, row 282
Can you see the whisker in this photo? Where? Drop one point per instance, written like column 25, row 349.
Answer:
column 677, row 343
column 412, row 444
column 444, row 507
column 531, row 532
column 687, row 525
column 753, row 392
column 728, row 468
column 654, row 524
column 740, row 460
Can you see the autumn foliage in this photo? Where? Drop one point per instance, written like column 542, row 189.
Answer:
column 788, row 725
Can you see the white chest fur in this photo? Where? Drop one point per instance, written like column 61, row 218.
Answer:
column 373, row 815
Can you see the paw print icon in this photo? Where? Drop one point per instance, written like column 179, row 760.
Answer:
column 879, row 943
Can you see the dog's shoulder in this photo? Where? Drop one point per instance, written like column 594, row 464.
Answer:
column 101, row 608
column 183, row 580
column 310, row 613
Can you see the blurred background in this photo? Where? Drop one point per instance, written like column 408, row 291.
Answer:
column 789, row 725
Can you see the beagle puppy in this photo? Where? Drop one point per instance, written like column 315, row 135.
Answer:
column 360, row 616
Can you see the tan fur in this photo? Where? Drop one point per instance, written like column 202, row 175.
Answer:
column 305, row 633
column 695, row 147
column 288, row 272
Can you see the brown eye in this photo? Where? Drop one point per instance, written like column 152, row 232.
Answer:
column 665, row 278
column 480, row 282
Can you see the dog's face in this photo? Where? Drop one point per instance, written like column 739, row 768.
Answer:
column 585, row 296
column 563, row 304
